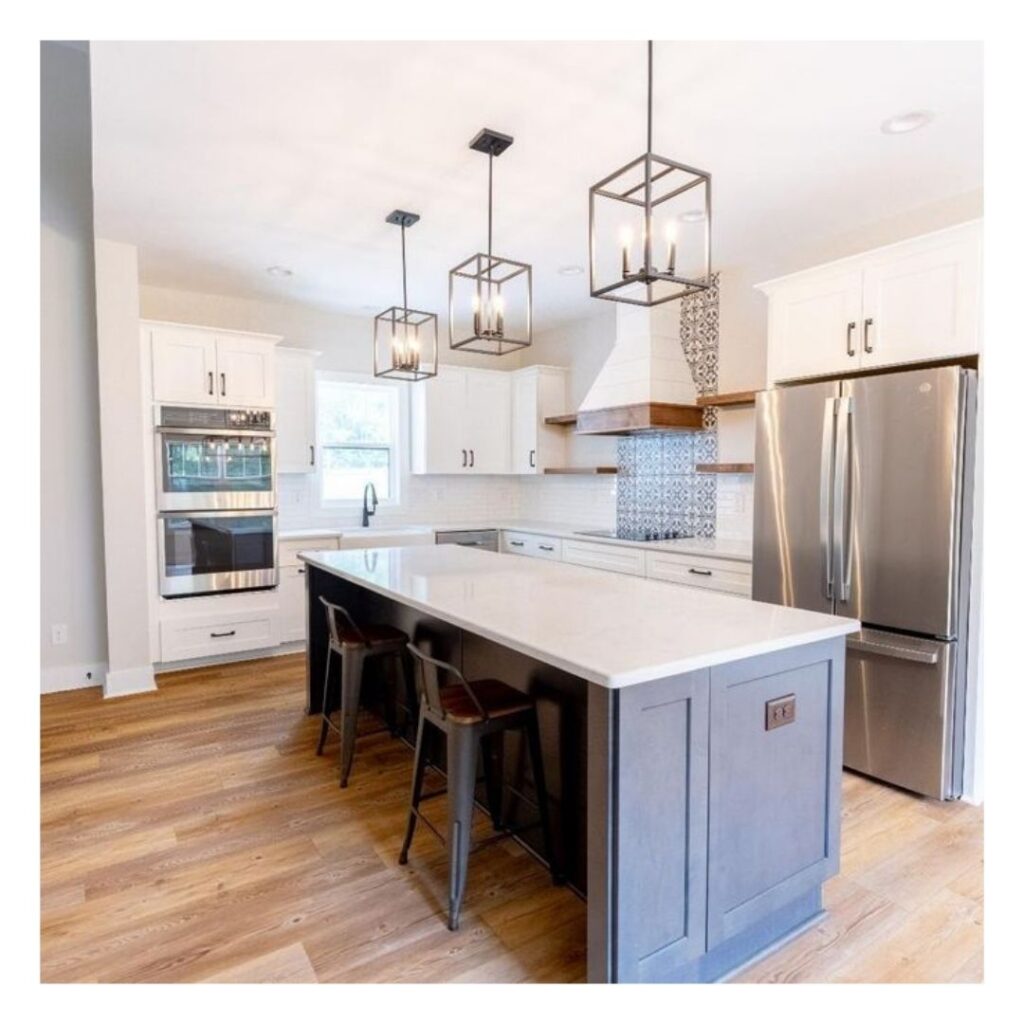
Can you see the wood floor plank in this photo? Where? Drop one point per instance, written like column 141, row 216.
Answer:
column 192, row 835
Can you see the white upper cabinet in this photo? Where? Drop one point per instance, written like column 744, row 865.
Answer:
column 537, row 392
column 202, row 366
column 184, row 365
column 923, row 302
column 295, row 423
column 915, row 301
column 461, row 422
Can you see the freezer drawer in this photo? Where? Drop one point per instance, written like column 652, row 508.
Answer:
column 901, row 711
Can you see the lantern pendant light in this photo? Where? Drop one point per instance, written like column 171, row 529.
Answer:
column 663, row 205
column 404, row 339
column 490, row 298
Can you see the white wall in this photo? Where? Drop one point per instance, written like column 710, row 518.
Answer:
column 71, row 569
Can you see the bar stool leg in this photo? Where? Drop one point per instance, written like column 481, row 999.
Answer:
column 537, row 764
column 418, row 771
column 389, row 671
column 325, row 724
column 351, row 684
column 494, row 772
column 462, row 743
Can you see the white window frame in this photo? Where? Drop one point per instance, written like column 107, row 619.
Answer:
column 399, row 425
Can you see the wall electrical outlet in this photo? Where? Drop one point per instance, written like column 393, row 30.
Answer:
column 780, row 711
column 59, row 634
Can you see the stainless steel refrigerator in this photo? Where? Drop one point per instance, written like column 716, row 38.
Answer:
column 862, row 507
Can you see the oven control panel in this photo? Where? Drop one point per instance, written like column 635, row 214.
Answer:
column 200, row 418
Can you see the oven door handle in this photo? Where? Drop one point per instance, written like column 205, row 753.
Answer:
column 214, row 432
column 213, row 513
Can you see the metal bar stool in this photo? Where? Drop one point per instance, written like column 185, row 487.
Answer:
column 471, row 714
column 355, row 645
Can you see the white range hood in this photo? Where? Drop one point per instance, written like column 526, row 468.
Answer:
column 645, row 383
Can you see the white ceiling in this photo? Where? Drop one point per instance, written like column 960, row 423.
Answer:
column 221, row 159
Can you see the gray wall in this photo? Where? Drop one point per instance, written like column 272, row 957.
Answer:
column 72, row 576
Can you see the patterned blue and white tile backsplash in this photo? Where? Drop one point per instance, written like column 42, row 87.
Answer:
column 659, row 489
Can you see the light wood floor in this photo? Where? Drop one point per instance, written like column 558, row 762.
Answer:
column 191, row 834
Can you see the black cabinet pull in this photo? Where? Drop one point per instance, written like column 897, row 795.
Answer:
column 463, row 458
column 230, row 632
column 210, row 381
column 472, row 458
column 312, row 455
column 516, row 543
column 302, row 572
column 223, row 384
column 701, row 572
column 546, row 547
column 533, row 458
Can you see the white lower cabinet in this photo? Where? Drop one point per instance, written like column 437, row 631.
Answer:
column 722, row 574
column 291, row 611
column 210, row 634
column 532, row 544
column 604, row 556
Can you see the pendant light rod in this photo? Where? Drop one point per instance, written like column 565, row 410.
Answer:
column 650, row 95
column 490, row 203
column 405, row 290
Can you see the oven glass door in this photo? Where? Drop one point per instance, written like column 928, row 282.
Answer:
column 218, row 551
column 215, row 471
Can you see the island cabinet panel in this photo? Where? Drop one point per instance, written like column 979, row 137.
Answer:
column 661, row 824
column 773, row 797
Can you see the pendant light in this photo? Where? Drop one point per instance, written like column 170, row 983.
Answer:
column 650, row 226
column 404, row 339
column 490, row 298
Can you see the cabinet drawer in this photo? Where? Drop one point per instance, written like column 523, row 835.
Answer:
column 288, row 550
column 730, row 577
column 531, row 544
column 204, row 636
column 604, row 556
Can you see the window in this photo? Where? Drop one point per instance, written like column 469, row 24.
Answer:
column 357, row 430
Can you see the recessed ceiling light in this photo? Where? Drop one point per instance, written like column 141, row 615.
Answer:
column 277, row 271
column 693, row 216
column 570, row 270
column 909, row 122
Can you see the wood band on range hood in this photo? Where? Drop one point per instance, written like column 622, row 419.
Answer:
column 639, row 419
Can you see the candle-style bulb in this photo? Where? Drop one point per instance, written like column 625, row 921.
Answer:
column 670, row 234
column 626, row 237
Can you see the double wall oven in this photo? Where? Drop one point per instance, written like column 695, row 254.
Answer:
column 216, row 501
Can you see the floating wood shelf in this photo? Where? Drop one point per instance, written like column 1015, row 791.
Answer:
column 565, row 420
column 583, row 470
column 736, row 398
column 725, row 467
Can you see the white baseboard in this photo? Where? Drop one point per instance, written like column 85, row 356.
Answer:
column 125, row 681
column 290, row 647
column 72, row 677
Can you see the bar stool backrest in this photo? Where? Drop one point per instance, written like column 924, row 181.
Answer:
column 333, row 612
column 430, row 684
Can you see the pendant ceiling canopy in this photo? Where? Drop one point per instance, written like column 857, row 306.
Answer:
column 650, row 226
column 404, row 339
column 490, row 298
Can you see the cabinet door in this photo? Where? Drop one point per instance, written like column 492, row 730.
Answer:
column 295, row 420
column 524, row 424
column 923, row 300
column 184, row 365
column 245, row 371
column 488, row 405
column 438, row 424
column 813, row 325
column 291, row 594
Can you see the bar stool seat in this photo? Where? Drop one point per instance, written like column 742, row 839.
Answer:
column 473, row 716
column 354, row 644
column 494, row 699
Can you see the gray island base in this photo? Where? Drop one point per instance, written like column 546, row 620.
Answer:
column 694, row 792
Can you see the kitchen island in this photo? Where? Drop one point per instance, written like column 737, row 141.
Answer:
column 692, row 741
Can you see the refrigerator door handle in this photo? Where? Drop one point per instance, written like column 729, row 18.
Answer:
column 841, row 496
column 828, row 465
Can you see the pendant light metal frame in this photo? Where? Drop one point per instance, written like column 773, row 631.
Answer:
column 656, row 173
column 489, row 272
column 407, row 363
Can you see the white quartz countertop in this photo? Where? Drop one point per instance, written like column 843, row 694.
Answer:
column 612, row 629
column 710, row 547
